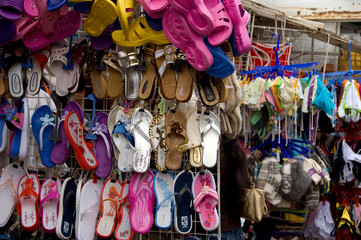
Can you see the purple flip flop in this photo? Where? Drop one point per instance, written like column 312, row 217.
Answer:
column 103, row 41
column 62, row 148
column 11, row 9
column 103, row 148
column 7, row 29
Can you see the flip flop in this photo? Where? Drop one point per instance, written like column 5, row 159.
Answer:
column 42, row 123
column 64, row 27
column 163, row 189
column 49, row 204
column 175, row 134
column 185, row 82
column 11, row 10
column 222, row 66
column 178, row 30
column 141, row 120
column 209, row 126
column 8, row 30
column 89, row 204
column 128, row 61
column 149, row 79
column 62, row 148
column 139, row 34
column 126, row 11
column 9, row 181
column 207, row 89
column 221, row 21
column 240, row 18
column 35, row 73
column 123, row 141
column 165, row 56
column 114, row 81
column 102, row 14
column 154, row 8
column 184, row 202
column 103, row 147
column 27, row 203
column 196, row 12
column 66, row 216
column 141, row 199
column 109, row 205
column 100, row 86
column 74, row 130
column 206, row 200
column 30, row 9
column 5, row 107
column 157, row 134
column 24, row 141
column 15, row 76
column 124, row 230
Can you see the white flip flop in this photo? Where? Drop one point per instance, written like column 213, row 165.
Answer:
column 16, row 77
column 119, row 127
column 141, row 120
column 24, row 142
column 209, row 126
column 89, row 204
column 109, row 208
column 9, row 181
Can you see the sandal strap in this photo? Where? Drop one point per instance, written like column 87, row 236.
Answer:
column 46, row 121
column 120, row 129
column 52, row 194
column 10, row 182
column 210, row 125
column 169, row 53
column 144, row 135
column 109, row 200
column 59, row 54
column 100, row 129
column 169, row 197
column 180, row 194
column 133, row 59
column 206, row 191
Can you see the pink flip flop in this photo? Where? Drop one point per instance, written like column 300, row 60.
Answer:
column 48, row 20
column 196, row 12
column 206, row 200
column 154, row 8
column 177, row 29
column 141, row 199
column 239, row 17
column 64, row 27
column 30, row 9
column 222, row 23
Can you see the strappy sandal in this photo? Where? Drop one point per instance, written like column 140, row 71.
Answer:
column 175, row 134
column 149, row 81
column 157, row 135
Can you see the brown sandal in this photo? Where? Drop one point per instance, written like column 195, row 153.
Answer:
column 185, row 80
column 165, row 56
column 148, row 84
column 175, row 134
column 207, row 89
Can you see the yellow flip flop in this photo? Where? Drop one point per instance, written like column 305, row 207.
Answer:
column 102, row 14
column 126, row 10
column 139, row 34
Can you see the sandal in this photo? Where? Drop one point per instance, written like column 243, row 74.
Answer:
column 166, row 56
column 157, row 134
column 124, row 230
column 74, row 130
column 126, row 9
column 139, row 34
column 207, row 90
column 141, row 120
column 149, row 80
column 175, row 134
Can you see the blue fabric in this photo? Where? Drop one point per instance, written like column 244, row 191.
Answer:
column 68, row 218
column 234, row 235
column 222, row 66
column 120, row 128
column 183, row 201
column 323, row 98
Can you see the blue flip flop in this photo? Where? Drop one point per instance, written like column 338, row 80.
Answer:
column 42, row 124
column 184, row 202
column 67, row 208
column 222, row 67
column 55, row 4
